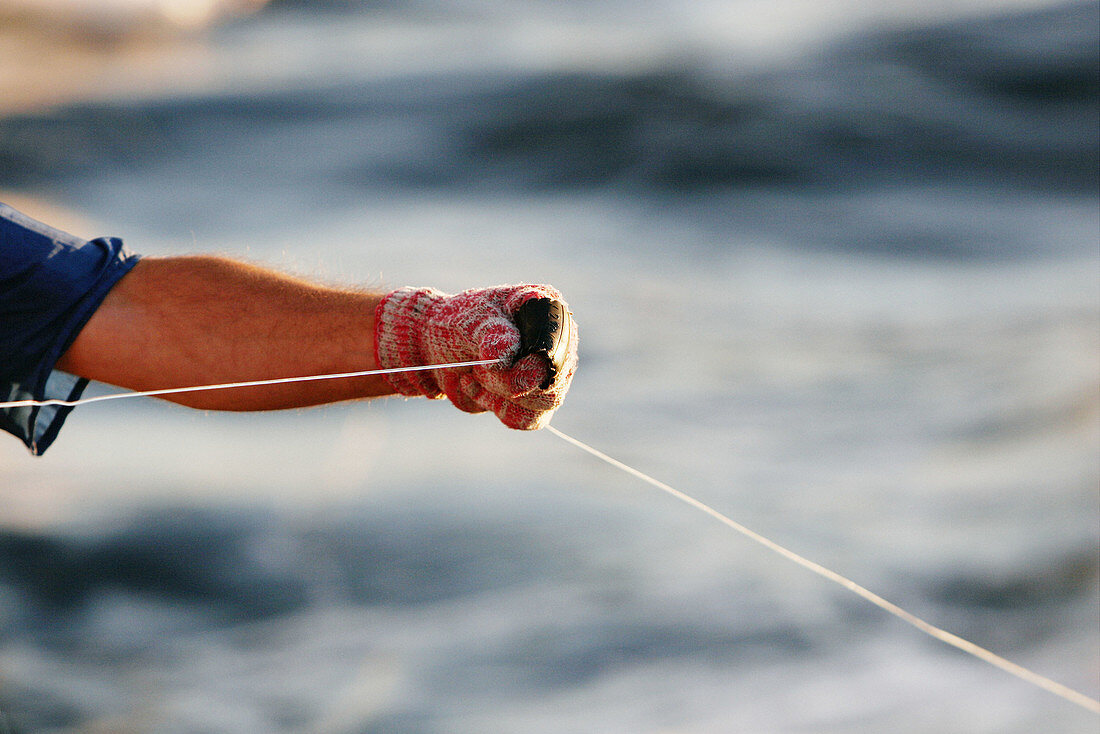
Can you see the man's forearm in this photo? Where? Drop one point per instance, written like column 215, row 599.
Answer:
column 175, row 322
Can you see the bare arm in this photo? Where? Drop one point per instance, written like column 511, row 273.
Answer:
column 175, row 322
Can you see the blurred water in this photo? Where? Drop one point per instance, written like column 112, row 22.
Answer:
column 834, row 266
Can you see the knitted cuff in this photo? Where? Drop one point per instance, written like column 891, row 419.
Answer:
column 400, row 321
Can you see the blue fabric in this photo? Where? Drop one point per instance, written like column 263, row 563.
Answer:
column 50, row 285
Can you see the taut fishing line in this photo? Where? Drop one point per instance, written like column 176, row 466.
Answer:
column 230, row 385
column 927, row 628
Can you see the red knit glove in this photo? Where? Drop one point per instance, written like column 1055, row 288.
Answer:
column 420, row 326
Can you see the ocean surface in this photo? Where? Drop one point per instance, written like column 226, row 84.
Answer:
column 836, row 268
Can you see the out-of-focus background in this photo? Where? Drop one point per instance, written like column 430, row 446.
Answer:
column 835, row 265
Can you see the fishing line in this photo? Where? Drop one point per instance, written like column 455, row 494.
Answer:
column 929, row 629
column 248, row 383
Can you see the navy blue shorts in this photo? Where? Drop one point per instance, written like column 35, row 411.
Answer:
column 50, row 285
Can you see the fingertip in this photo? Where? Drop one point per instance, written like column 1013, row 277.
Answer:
column 525, row 376
column 525, row 292
column 517, row 417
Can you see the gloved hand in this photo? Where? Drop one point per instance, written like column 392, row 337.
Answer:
column 420, row 326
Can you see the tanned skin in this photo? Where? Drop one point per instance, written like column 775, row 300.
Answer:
column 197, row 320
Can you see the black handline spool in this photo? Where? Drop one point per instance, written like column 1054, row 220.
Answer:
column 545, row 328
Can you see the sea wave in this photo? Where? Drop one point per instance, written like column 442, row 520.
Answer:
column 177, row 593
column 1007, row 102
